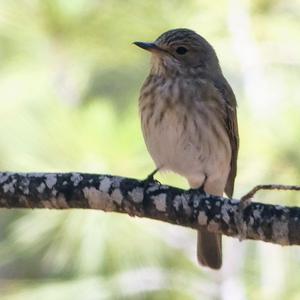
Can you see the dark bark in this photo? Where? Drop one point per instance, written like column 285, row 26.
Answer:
column 194, row 209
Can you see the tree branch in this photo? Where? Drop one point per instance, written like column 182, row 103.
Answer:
column 194, row 209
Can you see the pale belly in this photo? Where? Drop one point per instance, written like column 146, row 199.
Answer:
column 193, row 151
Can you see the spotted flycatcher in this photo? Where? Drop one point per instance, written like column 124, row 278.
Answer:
column 189, row 123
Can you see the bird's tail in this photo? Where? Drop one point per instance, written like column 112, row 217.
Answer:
column 209, row 249
column 209, row 245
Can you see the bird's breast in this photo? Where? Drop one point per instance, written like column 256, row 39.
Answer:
column 182, row 134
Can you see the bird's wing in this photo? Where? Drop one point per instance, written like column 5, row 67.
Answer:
column 232, row 129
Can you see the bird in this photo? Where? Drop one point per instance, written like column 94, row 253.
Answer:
column 189, row 121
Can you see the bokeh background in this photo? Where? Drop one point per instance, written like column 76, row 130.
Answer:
column 69, row 83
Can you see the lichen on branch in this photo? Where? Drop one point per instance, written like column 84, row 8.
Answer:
column 150, row 199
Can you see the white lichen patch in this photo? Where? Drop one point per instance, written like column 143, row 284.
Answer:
column 224, row 212
column 41, row 188
column 137, row 195
column 25, row 190
column 117, row 181
column 9, row 187
column 285, row 210
column 160, row 202
column 3, row 178
column 256, row 213
column 177, row 202
column 51, row 180
column 117, row 197
column 98, row 199
column 251, row 221
column 278, row 207
column 105, row 184
column 202, row 218
column 76, row 178
column 54, row 192
column 153, row 188
column 280, row 232
column 186, row 207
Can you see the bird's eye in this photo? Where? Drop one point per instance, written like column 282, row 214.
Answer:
column 181, row 50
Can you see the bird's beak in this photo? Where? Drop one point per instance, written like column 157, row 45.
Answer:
column 148, row 46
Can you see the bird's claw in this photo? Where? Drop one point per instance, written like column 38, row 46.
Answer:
column 200, row 189
column 150, row 178
column 145, row 183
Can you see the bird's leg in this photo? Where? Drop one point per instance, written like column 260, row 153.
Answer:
column 200, row 189
column 150, row 177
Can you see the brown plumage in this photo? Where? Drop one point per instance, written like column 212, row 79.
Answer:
column 188, row 116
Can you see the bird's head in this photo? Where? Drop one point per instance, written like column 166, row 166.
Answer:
column 181, row 51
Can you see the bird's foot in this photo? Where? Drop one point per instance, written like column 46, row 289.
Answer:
column 145, row 183
column 200, row 189
column 150, row 178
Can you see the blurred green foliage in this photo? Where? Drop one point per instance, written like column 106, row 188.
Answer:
column 69, row 83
